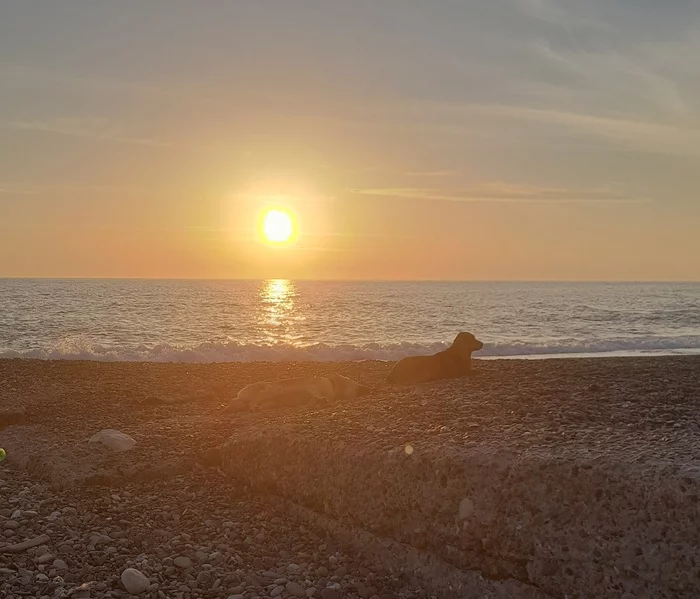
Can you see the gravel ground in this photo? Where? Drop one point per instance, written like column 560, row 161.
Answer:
column 189, row 536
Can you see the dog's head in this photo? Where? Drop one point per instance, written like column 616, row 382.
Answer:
column 345, row 388
column 466, row 343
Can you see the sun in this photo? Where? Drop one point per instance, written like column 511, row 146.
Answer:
column 277, row 226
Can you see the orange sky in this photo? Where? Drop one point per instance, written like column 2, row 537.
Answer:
column 510, row 140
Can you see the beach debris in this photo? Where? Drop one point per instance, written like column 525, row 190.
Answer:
column 134, row 581
column 24, row 545
column 3, row 454
column 81, row 591
column 408, row 449
column 114, row 439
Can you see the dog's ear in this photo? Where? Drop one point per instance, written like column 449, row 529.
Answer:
column 466, row 339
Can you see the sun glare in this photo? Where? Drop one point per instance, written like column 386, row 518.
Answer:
column 277, row 226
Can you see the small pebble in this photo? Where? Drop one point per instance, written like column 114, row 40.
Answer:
column 183, row 562
column 45, row 559
column 294, row 588
column 59, row 564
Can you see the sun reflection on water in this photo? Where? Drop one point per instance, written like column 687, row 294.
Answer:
column 278, row 315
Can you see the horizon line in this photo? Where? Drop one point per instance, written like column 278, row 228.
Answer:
column 353, row 280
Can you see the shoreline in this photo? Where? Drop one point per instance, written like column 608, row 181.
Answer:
column 515, row 486
column 613, row 354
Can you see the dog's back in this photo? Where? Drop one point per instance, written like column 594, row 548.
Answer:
column 420, row 369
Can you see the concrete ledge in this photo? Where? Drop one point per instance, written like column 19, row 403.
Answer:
column 562, row 524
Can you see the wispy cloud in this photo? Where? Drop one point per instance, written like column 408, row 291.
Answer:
column 91, row 128
column 560, row 14
column 509, row 193
column 630, row 83
column 27, row 76
column 633, row 134
column 63, row 191
column 8, row 189
column 430, row 174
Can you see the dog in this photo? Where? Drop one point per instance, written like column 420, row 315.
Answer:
column 297, row 391
column 453, row 362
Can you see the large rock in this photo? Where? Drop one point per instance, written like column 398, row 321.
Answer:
column 134, row 581
column 114, row 440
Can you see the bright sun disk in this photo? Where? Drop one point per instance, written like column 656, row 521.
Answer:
column 277, row 226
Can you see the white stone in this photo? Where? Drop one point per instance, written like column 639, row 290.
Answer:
column 115, row 440
column 45, row 558
column 134, row 581
column 466, row 508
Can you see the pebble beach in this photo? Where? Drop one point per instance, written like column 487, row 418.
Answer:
column 552, row 478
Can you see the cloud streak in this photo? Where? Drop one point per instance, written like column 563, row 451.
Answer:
column 17, row 190
column 500, row 193
column 23, row 76
column 58, row 190
column 633, row 134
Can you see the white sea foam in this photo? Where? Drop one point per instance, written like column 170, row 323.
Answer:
column 237, row 352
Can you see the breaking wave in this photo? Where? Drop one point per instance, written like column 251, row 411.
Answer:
column 238, row 352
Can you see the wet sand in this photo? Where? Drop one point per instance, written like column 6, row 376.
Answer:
column 553, row 478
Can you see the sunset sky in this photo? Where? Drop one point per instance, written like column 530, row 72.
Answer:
column 431, row 139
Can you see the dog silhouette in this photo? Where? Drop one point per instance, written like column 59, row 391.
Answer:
column 453, row 362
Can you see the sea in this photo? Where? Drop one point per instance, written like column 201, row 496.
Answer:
column 283, row 320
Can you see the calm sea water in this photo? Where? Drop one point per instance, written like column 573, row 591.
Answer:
column 207, row 321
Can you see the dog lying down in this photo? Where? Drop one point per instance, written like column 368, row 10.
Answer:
column 453, row 362
column 297, row 391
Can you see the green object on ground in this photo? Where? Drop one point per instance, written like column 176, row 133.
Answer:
column 3, row 454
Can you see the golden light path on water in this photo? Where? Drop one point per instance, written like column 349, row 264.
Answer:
column 279, row 316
